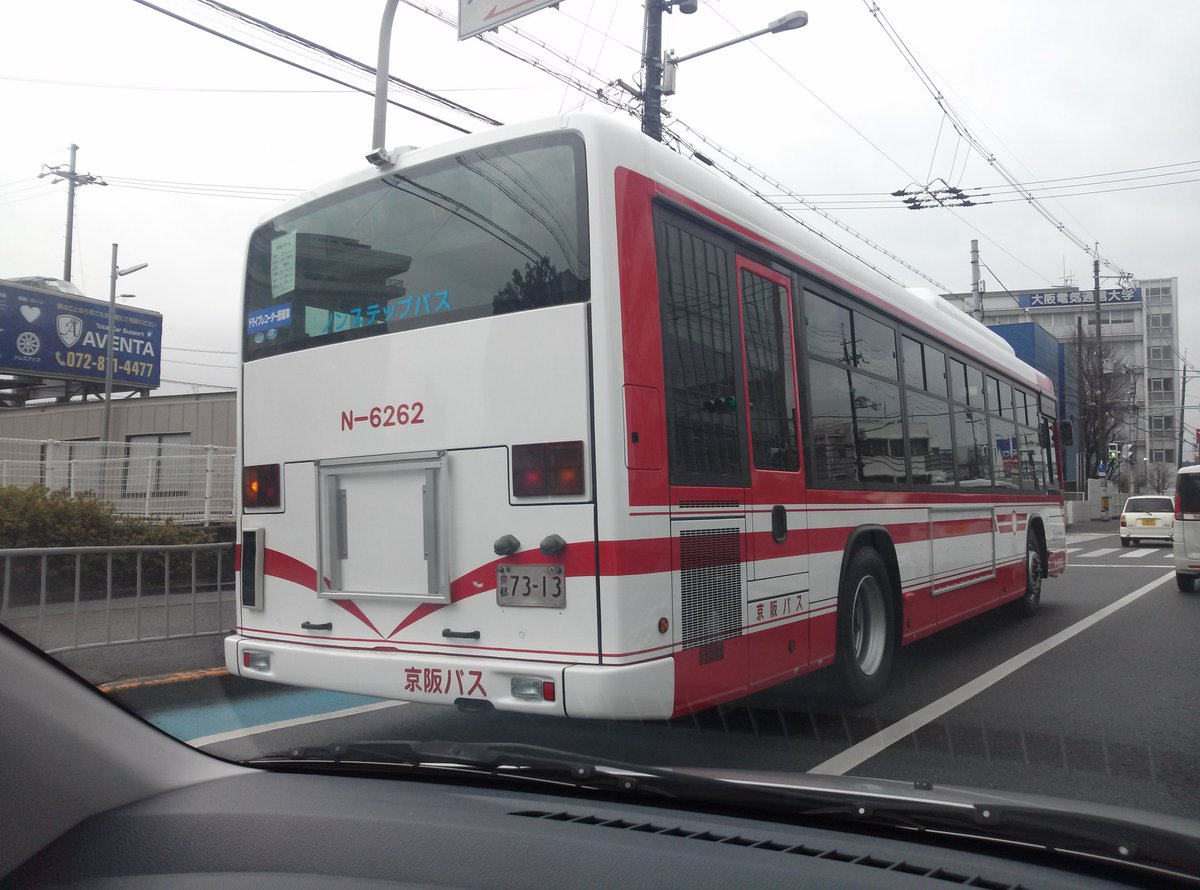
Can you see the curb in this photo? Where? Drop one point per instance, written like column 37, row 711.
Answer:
column 162, row 679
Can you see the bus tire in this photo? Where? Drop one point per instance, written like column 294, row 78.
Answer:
column 1124, row 542
column 866, row 627
column 1027, row 605
column 1185, row 583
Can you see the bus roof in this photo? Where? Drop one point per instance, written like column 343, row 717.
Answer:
column 619, row 143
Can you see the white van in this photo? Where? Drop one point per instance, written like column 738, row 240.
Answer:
column 1187, row 527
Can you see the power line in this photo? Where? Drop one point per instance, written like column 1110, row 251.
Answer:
column 209, row 351
column 601, row 94
column 297, row 65
column 179, row 361
column 964, row 131
column 993, row 190
column 413, row 88
column 976, row 200
column 885, row 154
column 150, row 88
column 196, row 383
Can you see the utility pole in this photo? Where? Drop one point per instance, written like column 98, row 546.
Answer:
column 1101, row 420
column 652, row 65
column 73, row 179
column 976, row 297
column 1182, row 409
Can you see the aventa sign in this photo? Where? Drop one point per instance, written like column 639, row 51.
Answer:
column 44, row 333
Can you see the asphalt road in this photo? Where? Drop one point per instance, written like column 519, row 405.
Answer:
column 1093, row 698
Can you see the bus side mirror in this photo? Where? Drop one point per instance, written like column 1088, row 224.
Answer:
column 1066, row 432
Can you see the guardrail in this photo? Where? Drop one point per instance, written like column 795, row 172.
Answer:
column 68, row 598
column 160, row 480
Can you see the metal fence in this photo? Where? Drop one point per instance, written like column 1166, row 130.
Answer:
column 66, row 598
column 156, row 479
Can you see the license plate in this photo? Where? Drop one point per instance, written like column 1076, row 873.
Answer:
column 541, row 586
column 1150, row 522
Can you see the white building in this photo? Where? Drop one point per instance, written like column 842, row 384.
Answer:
column 1141, row 323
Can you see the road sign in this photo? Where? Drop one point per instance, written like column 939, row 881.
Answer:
column 477, row 16
column 1101, row 469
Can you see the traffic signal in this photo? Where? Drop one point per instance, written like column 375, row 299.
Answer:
column 1127, row 450
column 1113, row 449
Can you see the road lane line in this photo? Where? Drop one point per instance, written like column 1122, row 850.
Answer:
column 1113, row 565
column 1137, row 554
column 1071, row 550
column 855, row 755
column 295, row 721
column 1103, row 551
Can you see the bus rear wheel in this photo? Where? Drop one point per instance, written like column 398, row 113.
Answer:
column 1185, row 583
column 866, row 637
column 1028, row 604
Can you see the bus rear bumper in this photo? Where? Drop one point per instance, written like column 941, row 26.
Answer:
column 644, row 691
column 401, row 676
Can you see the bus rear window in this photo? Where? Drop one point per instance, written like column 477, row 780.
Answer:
column 497, row 230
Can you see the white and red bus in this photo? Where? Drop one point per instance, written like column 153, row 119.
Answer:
column 550, row 419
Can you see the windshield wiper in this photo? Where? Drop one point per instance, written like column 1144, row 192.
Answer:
column 942, row 815
column 499, row 759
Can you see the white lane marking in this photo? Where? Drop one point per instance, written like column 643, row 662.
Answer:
column 1071, row 550
column 1113, row 565
column 1075, row 537
column 295, row 721
column 855, row 755
column 1137, row 554
column 1103, row 551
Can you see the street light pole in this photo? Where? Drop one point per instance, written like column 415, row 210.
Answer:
column 653, row 74
column 114, row 274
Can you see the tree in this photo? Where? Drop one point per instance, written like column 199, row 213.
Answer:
column 1159, row 477
column 1104, row 402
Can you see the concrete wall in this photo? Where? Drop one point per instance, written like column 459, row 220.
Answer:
column 210, row 419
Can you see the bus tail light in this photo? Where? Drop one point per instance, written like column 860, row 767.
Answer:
column 260, row 486
column 533, row 689
column 256, row 661
column 547, row 468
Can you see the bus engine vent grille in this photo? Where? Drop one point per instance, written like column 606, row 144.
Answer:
column 710, row 576
column 707, row 505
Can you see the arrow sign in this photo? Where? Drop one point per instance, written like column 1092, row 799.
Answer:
column 477, row 16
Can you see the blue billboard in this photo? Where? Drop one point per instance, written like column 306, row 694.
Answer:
column 48, row 334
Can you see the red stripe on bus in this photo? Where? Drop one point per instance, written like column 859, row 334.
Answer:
column 624, row 558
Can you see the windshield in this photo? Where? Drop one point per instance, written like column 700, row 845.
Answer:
column 486, row 232
column 1149, row 505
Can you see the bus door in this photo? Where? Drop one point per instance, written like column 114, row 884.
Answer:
column 777, row 557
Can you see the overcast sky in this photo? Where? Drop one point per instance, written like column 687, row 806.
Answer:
column 1098, row 96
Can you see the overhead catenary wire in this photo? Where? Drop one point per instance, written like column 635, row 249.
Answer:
column 599, row 87
column 762, row 51
column 963, row 130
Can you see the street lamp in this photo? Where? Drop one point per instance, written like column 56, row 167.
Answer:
column 653, row 62
column 789, row 22
column 108, row 341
